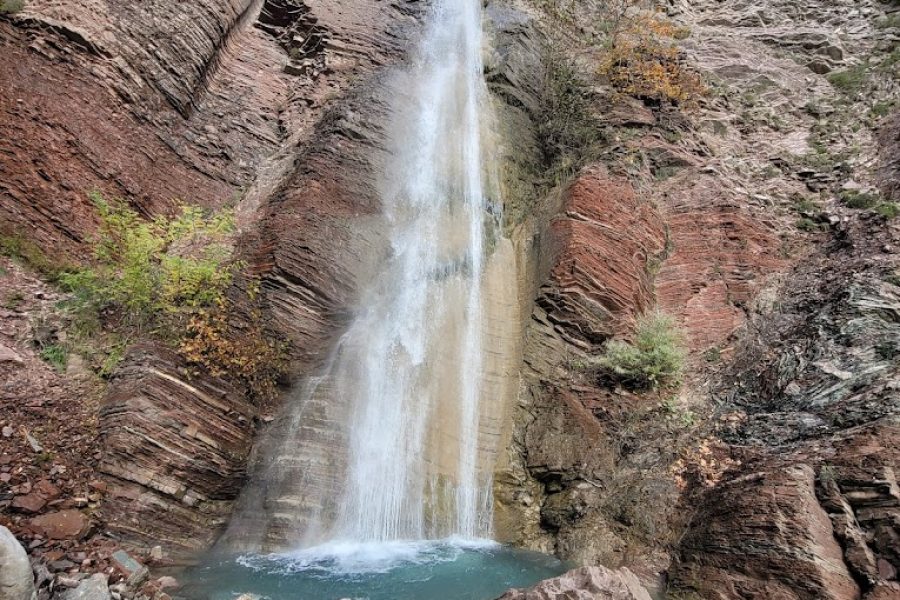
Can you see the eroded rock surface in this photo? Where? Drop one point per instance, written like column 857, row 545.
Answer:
column 586, row 583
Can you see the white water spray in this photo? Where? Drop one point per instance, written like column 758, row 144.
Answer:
column 396, row 440
column 411, row 363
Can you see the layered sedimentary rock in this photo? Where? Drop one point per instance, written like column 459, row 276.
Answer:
column 811, row 397
column 764, row 535
column 206, row 103
column 175, row 449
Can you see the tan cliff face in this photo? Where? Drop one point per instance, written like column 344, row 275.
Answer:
column 769, row 472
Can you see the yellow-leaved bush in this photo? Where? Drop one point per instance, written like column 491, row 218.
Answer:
column 643, row 60
column 166, row 278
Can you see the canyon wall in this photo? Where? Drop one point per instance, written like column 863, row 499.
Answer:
column 748, row 480
column 771, row 472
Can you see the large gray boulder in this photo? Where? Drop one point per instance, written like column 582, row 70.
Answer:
column 585, row 583
column 92, row 588
column 16, row 582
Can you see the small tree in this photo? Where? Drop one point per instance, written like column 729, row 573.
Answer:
column 654, row 359
column 147, row 272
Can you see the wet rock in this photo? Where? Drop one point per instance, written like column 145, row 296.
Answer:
column 586, row 583
column 68, row 524
column 168, row 583
column 93, row 588
column 134, row 572
column 16, row 581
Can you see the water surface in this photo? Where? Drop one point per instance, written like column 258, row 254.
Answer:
column 400, row 570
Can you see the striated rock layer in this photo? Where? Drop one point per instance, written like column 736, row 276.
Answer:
column 210, row 103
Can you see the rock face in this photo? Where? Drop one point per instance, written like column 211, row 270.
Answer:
column 605, row 242
column 586, row 583
column 175, row 450
column 92, row 588
column 16, row 582
column 600, row 474
column 206, row 102
column 764, row 535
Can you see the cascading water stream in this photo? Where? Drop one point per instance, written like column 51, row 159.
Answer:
column 411, row 362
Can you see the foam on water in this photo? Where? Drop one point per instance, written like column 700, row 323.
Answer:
column 449, row 569
column 349, row 558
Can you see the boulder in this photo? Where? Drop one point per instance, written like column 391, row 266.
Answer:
column 92, row 588
column 15, row 570
column 585, row 583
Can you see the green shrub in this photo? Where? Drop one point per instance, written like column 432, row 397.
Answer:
column 148, row 273
column 56, row 355
column 854, row 199
column 10, row 7
column 807, row 224
column 13, row 300
column 881, row 109
column 888, row 210
column 568, row 132
column 168, row 278
column 850, row 81
column 654, row 359
column 23, row 250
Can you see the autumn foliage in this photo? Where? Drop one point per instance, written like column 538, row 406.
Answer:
column 244, row 355
column 643, row 60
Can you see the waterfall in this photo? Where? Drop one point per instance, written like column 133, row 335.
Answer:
column 398, row 436
column 411, row 363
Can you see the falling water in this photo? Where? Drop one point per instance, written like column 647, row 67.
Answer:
column 377, row 483
column 395, row 440
column 411, row 362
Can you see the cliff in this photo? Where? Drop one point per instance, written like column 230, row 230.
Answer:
column 761, row 218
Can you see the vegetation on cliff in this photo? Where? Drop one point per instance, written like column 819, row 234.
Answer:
column 655, row 358
column 9, row 7
column 167, row 279
column 642, row 59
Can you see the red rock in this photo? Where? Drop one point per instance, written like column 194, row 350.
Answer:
column 47, row 489
column 606, row 241
column 63, row 525
column 31, row 503
column 721, row 252
column 784, row 539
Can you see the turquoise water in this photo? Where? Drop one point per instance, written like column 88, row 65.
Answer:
column 442, row 570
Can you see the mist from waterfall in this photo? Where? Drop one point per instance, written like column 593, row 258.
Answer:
column 411, row 362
